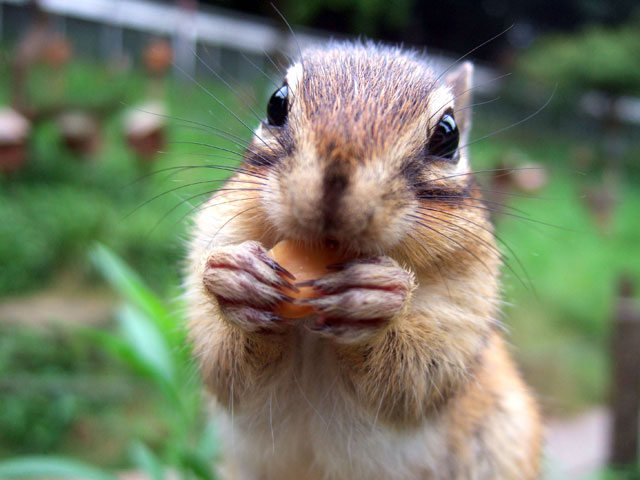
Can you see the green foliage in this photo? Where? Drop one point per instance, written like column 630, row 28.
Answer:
column 44, row 379
column 62, row 203
column 151, row 343
column 628, row 473
column 597, row 57
column 147, row 461
column 152, row 339
column 51, row 467
column 35, row 240
column 83, row 84
column 365, row 16
column 36, row 420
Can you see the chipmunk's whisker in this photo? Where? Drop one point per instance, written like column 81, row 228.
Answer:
column 221, row 103
column 423, row 247
column 246, row 148
column 226, row 84
column 233, row 217
column 503, row 129
column 528, row 285
column 223, row 168
column 224, row 134
column 181, row 187
column 451, row 199
column 240, row 155
column 509, row 214
column 515, row 124
column 506, row 171
column 419, row 221
column 464, row 92
column 250, row 62
column 442, row 74
column 179, row 169
column 279, row 68
column 480, row 189
column 295, row 39
column 478, row 104
column 198, row 206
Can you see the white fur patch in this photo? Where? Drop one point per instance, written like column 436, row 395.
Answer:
column 308, row 427
column 294, row 77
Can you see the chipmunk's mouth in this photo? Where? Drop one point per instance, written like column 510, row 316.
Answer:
column 332, row 242
column 324, row 246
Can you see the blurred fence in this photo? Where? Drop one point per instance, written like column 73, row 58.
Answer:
column 115, row 29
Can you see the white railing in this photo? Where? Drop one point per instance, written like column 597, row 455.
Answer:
column 210, row 26
column 237, row 32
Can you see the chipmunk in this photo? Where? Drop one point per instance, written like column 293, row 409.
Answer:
column 402, row 371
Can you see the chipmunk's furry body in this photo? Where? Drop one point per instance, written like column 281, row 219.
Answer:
column 403, row 373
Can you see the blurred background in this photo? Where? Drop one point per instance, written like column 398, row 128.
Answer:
column 110, row 112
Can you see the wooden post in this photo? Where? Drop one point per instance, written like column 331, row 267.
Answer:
column 626, row 377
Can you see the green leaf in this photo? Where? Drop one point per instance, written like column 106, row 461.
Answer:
column 124, row 352
column 147, row 342
column 129, row 284
column 45, row 466
column 128, row 353
column 145, row 459
column 133, row 289
column 209, row 444
column 200, row 467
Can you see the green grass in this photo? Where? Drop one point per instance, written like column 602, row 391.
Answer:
column 102, row 395
column 629, row 473
column 62, row 395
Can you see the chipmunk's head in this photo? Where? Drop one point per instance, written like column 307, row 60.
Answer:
column 365, row 145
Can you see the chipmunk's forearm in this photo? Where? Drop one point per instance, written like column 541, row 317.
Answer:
column 237, row 340
column 412, row 370
column 234, row 363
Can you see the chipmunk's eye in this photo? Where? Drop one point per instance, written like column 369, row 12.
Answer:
column 445, row 137
column 278, row 107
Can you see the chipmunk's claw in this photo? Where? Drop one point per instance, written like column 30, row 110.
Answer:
column 360, row 299
column 247, row 285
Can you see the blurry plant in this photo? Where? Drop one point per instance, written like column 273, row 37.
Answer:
column 597, row 58
column 629, row 473
column 39, row 402
column 363, row 16
column 594, row 68
column 151, row 341
column 56, row 207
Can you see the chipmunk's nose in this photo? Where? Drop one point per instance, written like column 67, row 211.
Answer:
column 335, row 183
column 349, row 201
column 334, row 195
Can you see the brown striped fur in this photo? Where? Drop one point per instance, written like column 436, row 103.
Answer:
column 430, row 393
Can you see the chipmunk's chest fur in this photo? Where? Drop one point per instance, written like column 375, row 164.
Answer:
column 305, row 425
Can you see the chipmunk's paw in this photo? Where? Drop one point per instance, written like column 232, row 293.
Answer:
column 360, row 298
column 246, row 283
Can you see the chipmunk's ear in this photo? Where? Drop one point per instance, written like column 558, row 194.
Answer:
column 460, row 81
